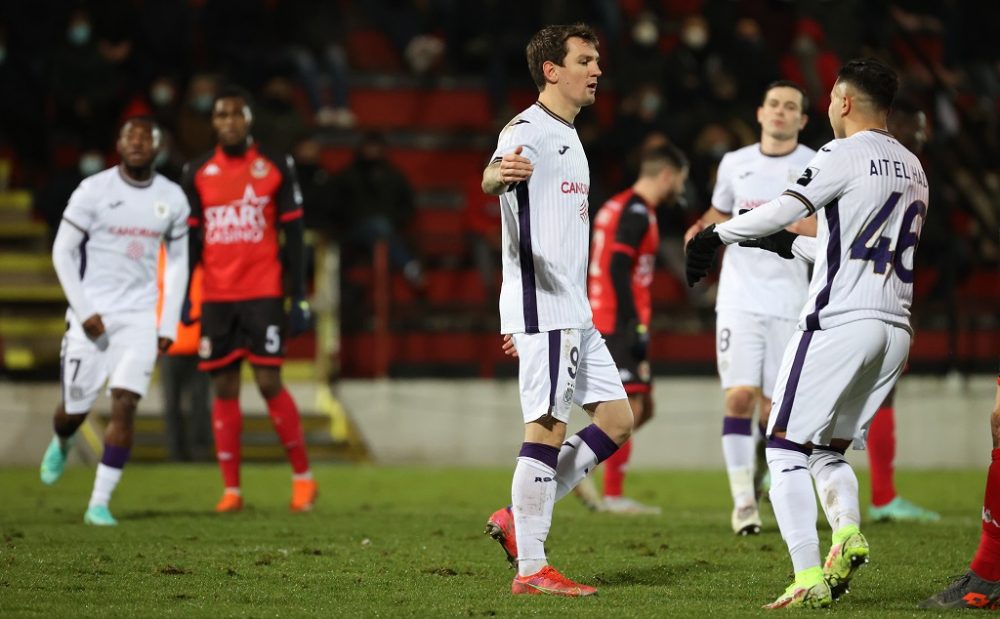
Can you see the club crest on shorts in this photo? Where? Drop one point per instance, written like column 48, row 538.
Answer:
column 161, row 210
column 76, row 392
column 205, row 347
column 259, row 168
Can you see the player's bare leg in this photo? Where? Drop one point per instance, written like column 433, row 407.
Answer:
column 738, row 451
column 614, row 468
column 761, row 476
column 227, row 425
column 64, row 427
column 288, row 425
column 117, row 448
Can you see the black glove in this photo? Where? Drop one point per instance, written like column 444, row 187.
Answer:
column 640, row 341
column 780, row 243
column 186, row 319
column 701, row 254
column 299, row 317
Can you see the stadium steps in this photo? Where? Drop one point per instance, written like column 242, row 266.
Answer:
column 32, row 317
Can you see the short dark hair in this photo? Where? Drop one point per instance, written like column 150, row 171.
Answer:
column 872, row 77
column 787, row 84
column 667, row 154
column 549, row 44
column 154, row 127
column 232, row 91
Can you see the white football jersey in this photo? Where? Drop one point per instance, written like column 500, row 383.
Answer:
column 873, row 195
column 124, row 222
column 751, row 280
column 545, row 227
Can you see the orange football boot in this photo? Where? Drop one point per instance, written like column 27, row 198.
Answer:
column 500, row 527
column 304, row 493
column 548, row 581
column 230, row 502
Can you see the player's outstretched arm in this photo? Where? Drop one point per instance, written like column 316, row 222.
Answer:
column 762, row 221
column 175, row 285
column 510, row 169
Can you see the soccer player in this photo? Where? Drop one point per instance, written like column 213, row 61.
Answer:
column 242, row 195
column 105, row 255
column 541, row 174
column 980, row 586
column 623, row 253
column 909, row 125
column 759, row 295
column 854, row 332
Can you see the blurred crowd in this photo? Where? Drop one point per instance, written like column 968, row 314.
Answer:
column 689, row 72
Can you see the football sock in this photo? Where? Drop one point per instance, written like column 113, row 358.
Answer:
column 285, row 417
column 881, row 448
column 533, row 493
column 738, row 446
column 109, row 472
column 793, row 502
column 227, row 424
column 837, row 487
column 579, row 454
column 986, row 563
column 614, row 470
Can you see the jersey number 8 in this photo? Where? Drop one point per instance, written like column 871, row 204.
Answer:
column 879, row 252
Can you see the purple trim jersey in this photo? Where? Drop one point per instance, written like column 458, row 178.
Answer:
column 545, row 229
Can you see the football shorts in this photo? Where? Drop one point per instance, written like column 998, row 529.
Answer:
column 559, row 368
column 234, row 330
column 749, row 347
column 832, row 382
column 127, row 362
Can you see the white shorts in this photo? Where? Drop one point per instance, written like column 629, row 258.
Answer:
column 833, row 381
column 127, row 363
column 558, row 368
column 749, row 347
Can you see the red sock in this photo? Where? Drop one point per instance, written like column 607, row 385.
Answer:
column 285, row 417
column 614, row 470
column 227, row 424
column 881, row 449
column 986, row 563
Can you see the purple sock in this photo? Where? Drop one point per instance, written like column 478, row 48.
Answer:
column 546, row 454
column 736, row 425
column 115, row 457
column 599, row 442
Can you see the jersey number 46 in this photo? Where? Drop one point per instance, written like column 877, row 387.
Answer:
column 868, row 246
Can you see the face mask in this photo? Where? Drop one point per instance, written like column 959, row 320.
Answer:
column 645, row 32
column 90, row 165
column 162, row 95
column 202, row 103
column 695, row 37
column 79, row 34
column 650, row 103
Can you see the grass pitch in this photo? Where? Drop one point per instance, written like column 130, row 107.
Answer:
column 409, row 542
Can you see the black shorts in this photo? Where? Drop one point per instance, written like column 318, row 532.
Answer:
column 634, row 374
column 233, row 330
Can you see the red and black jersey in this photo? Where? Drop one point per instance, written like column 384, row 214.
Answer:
column 625, row 225
column 238, row 203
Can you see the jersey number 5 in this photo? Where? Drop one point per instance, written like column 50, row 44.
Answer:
column 868, row 246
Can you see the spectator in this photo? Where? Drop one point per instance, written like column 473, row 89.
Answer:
column 379, row 202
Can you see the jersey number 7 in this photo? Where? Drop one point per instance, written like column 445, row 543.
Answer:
column 879, row 252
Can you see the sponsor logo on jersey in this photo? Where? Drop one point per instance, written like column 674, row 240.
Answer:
column 134, row 231
column 205, row 347
column 212, row 170
column 259, row 168
column 574, row 187
column 116, row 203
column 135, row 250
column 240, row 221
column 563, row 149
column 807, row 176
column 161, row 210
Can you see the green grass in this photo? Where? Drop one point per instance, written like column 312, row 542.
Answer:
column 409, row 542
